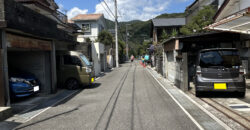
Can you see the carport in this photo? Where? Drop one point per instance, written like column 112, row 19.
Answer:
column 237, row 22
column 31, row 55
column 180, row 53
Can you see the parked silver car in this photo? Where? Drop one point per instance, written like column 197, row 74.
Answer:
column 219, row 69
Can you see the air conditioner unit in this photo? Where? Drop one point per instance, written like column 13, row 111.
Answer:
column 246, row 44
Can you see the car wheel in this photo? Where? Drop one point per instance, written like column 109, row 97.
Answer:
column 72, row 84
column 198, row 93
column 241, row 94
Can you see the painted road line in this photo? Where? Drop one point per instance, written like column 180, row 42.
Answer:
column 185, row 111
column 203, row 109
column 207, row 112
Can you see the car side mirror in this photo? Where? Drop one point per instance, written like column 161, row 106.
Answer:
column 79, row 64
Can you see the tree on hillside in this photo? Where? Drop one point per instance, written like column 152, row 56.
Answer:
column 198, row 22
column 164, row 35
column 105, row 37
column 142, row 50
column 173, row 15
column 122, row 51
column 174, row 33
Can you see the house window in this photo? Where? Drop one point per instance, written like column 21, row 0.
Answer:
column 86, row 27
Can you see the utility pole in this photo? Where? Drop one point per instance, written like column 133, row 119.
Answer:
column 116, row 36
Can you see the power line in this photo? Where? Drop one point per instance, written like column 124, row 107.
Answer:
column 106, row 11
column 108, row 7
column 112, row 16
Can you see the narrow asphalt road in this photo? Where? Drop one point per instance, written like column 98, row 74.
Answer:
column 127, row 98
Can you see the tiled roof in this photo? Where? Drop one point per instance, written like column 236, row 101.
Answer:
column 86, row 17
column 164, row 22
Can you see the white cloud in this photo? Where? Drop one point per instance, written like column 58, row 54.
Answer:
column 132, row 10
column 75, row 11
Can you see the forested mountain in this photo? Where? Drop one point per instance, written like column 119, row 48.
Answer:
column 139, row 31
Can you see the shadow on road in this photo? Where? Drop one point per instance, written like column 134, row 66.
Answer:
column 93, row 86
column 220, row 95
column 24, row 126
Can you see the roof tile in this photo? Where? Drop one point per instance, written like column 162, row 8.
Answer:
column 164, row 22
column 87, row 17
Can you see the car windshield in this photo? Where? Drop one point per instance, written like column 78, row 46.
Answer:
column 85, row 59
column 224, row 58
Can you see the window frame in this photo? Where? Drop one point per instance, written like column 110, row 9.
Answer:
column 89, row 25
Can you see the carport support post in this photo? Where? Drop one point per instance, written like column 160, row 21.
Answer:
column 4, row 67
column 53, row 68
column 184, row 83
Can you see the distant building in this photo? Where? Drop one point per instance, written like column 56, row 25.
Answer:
column 91, row 25
column 167, row 24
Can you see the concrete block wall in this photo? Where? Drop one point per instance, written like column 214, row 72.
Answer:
column 173, row 68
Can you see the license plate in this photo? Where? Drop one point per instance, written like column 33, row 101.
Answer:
column 220, row 86
column 36, row 88
column 92, row 80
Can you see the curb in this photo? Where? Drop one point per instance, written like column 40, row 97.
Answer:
column 5, row 113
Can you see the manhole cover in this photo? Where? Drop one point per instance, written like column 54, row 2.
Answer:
column 240, row 107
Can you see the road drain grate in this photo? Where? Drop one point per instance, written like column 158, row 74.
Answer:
column 240, row 107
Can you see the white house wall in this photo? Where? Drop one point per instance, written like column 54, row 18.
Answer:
column 92, row 35
column 97, row 50
column 96, row 61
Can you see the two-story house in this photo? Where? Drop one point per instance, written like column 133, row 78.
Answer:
column 167, row 24
column 29, row 39
column 91, row 25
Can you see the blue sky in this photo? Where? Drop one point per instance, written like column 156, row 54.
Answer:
column 128, row 9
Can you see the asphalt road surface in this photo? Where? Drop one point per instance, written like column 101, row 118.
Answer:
column 127, row 98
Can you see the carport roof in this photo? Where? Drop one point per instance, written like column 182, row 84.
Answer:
column 206, row 37
column 238, row 22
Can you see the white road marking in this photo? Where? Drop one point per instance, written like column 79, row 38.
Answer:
column 198, row 105
column 195, row 122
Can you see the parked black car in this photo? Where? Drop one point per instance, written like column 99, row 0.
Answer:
column 219, row 69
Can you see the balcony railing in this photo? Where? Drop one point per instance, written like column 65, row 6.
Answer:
column 62, row 17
